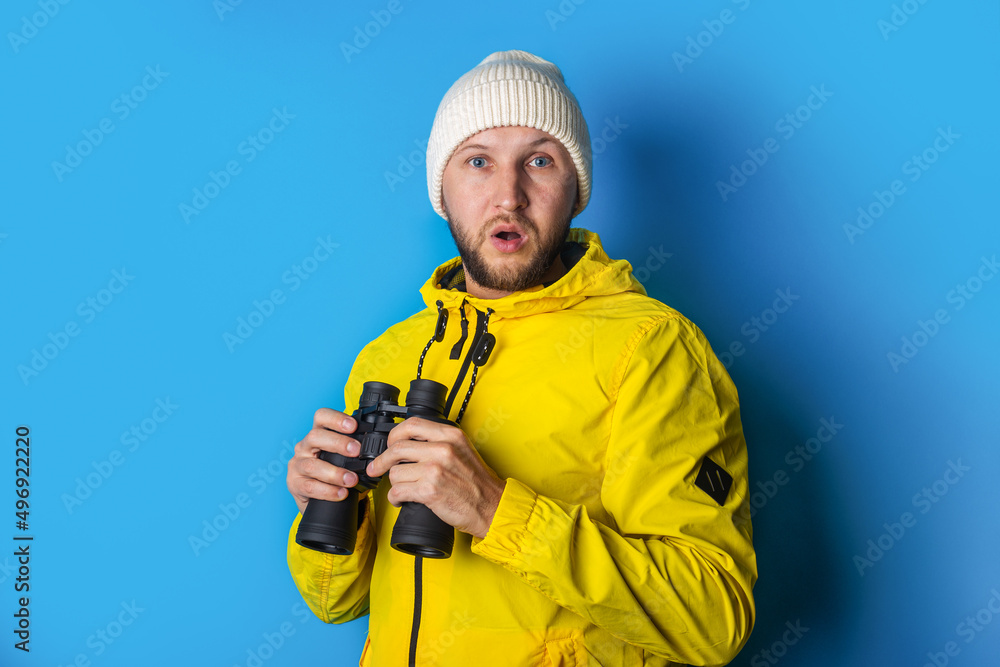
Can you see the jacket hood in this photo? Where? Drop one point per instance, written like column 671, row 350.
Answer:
column 594, row 274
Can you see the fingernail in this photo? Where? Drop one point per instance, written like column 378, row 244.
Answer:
column 350, row 479
column 353, row 448
column 347, row 423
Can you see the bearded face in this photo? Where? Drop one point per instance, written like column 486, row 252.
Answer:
column 507, row 274
column 508, row 195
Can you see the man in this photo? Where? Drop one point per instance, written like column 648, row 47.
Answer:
column 598, row 480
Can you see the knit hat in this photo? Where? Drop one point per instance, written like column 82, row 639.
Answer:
column 508, row 88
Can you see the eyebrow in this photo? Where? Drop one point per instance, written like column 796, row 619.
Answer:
column 480, row 147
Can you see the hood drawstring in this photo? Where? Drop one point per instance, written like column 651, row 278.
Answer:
column 442, row 324
column 479, row 356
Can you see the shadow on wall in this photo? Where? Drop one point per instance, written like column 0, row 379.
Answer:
column 663, row 224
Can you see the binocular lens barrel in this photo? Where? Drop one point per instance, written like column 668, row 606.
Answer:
column 428, row 397
column 419, row 532
column 373, row 393
column 330, row 527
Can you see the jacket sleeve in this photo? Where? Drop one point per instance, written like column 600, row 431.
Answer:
column 674, row 573
column 337, row 588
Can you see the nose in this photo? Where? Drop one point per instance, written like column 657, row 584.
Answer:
column 509, row 193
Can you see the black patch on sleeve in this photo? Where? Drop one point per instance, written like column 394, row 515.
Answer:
column 713, row 480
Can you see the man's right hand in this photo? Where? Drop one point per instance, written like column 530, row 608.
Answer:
column 311, row 477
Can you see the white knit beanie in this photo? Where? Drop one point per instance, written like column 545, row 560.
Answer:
column 508, row 88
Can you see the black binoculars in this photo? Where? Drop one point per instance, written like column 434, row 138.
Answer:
column 332, row 527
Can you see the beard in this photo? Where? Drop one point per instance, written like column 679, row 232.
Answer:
column 507, row 278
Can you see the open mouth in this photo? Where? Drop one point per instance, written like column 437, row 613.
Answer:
column 508, row 241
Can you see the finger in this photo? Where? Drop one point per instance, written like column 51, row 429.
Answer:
column 321, row 439
column 426, row 482
column 331, row 485
column 420, row 483
column 310, row 489
column 403, row 473
column 403, row 492
column 415, row 428
column 407, row 452
column 320, row 470
column 334, row 420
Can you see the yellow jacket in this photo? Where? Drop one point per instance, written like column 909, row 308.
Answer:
column 599, row 405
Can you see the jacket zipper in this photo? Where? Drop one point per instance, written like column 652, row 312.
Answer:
column 418, row 561
column 417, row 597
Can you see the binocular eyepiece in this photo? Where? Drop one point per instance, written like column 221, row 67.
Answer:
column 332, row 527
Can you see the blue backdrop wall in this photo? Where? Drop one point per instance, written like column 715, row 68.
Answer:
column 197, row 193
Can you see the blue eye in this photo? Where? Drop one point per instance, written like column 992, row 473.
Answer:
column 540, row 158
column 480, row 160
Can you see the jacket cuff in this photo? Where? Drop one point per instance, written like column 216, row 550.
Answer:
column 509, row 529
column 314, row 571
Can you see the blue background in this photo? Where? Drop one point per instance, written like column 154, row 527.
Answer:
column 681, row 126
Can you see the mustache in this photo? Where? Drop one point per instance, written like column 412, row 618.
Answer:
column 513, row 218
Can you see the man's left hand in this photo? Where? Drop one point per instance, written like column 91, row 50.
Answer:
column 434, row 464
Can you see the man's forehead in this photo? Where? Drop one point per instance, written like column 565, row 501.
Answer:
column 517, row 136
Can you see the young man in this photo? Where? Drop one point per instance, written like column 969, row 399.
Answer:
column 597, row 480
